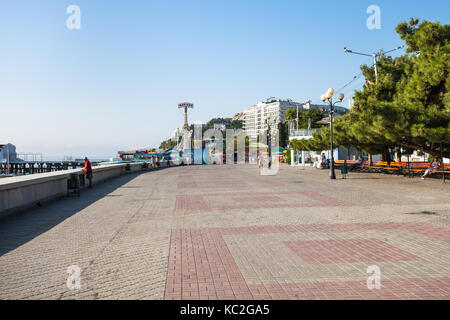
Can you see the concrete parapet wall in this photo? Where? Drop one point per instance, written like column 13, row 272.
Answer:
column 22, row 192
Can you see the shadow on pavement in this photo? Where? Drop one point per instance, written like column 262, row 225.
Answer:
column 363, row 178
column 18, row 229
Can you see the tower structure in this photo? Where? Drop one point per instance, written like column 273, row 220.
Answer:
column 185, row 106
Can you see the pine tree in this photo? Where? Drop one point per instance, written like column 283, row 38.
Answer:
column 409, row 105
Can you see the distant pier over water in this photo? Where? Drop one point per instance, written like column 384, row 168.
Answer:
column 31, row 167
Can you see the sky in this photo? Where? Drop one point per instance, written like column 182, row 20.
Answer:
column 115, row 83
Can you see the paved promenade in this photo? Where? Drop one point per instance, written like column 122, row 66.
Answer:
column 226, row 232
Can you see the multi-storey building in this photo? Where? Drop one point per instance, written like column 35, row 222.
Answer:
column 255, row 116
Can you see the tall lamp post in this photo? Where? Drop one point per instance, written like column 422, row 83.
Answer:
column 328, row 96
column 268, row 119
column 269, row 142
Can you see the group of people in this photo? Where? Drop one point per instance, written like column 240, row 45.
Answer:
column 155, row 162
column 264, row 161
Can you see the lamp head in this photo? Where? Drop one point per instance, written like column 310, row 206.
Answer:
column 341, row 96
column 323, row 97
column 329, row 93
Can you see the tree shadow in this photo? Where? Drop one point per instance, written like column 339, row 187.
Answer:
column 21, row 227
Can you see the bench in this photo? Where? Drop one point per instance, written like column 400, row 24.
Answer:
column 403, row 167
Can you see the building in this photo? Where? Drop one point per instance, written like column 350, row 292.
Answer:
column 254, row 116
column 309, row 158
column 8, row 151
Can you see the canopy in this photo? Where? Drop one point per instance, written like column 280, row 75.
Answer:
column 277, row 150
column 254, row 144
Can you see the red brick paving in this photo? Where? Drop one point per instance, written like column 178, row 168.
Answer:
column 258, row 199
column 197, row 201
column 122, row 230
column 412, row 288
column 424, row 228
column 202, row 267
column 190, row 203
column 184, row 185
column 347, row 250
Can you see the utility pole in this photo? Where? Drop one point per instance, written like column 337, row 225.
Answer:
column 374, row 57
column 375, row 66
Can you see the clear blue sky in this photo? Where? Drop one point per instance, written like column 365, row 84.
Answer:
column 115, row 84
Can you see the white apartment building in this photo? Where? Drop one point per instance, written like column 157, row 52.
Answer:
column 254, row 116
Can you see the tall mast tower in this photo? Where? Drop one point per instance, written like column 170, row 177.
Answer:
column 185, row 106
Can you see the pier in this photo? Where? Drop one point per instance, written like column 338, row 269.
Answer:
column 32, row 167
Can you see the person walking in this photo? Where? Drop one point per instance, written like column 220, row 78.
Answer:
column 157, row 162
column 259, row 159
column 324, row 161
column 434, row 166
column 152, row 164
column 88, row 170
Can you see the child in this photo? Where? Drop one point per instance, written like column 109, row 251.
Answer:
column 344, row 170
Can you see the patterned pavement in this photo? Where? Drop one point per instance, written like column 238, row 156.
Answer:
column 226, row 232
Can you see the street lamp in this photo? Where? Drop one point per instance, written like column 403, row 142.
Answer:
column 328, row 96
column 268, row 119
column 269, row 138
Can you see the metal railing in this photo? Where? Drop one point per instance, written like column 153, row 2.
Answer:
column 302, row 132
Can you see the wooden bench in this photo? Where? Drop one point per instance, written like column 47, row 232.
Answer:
column 404, row 167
